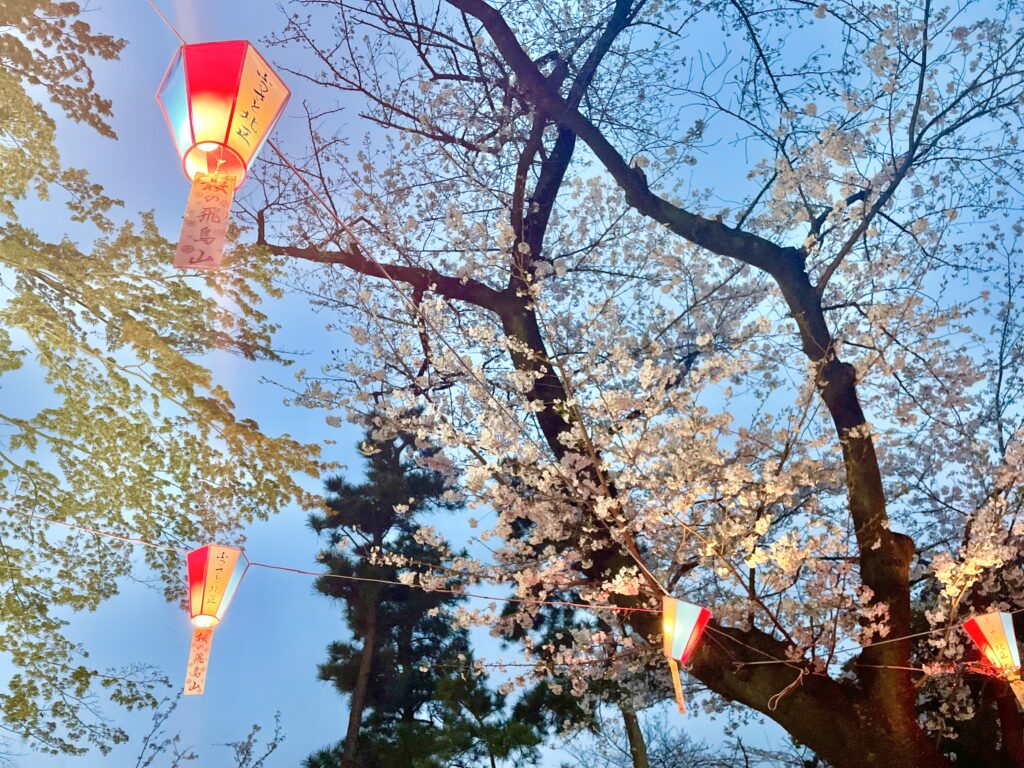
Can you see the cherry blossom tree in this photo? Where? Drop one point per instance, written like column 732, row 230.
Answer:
column 719, row 299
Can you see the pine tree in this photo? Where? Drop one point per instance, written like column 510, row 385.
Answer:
column 416, row 700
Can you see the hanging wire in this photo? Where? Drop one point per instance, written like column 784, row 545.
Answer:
column 166, row 21
column 95, row 532
column 366, row 579
column 769, row 658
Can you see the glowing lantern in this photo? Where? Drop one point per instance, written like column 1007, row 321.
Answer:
column 997, row 642
column 213, row 578
column 221, row 101
column 682, row 624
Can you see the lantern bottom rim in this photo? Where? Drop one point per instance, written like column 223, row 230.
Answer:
column 214, row 157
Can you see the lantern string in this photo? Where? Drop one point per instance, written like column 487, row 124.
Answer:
column 527, row 601
column 460, row 592
column 166, row 21
column 319, row 574
column 492, row 598
column 773, row 702
column 104, row 534
column 577, row 662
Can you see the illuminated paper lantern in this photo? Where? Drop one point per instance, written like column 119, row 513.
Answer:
column 995, row 637
column 221, row 101
column 682, row 624
column 214, row 573
column 213, row 577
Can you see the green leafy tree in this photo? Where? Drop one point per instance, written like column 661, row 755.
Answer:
column 416, row 699
column 108, row 418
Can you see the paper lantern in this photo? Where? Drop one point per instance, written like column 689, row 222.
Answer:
column 214, row 573
column 221, row 101
column 995, row 637
column 213, row 577
column 682, row 624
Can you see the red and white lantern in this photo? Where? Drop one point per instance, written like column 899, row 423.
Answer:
column 996, row 639
column 221, row 100
column 214, row 573
column 682, row 624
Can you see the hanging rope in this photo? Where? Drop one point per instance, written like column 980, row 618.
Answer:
column 364, row 579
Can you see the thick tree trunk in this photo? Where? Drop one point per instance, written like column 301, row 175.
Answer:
column 358, row 700
column 637, row 745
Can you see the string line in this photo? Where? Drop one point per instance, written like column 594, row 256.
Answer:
column 769, row 659
column 166, row 21
column 344, row 577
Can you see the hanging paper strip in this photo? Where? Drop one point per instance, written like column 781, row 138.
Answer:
column 198, row 662
column 205, row 224
column 1018, row 690
column 677, row 685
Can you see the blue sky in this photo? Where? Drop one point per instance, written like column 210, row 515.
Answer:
column 265, row 653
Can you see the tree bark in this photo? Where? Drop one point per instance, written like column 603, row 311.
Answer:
column 637, row 745
column 358, row 698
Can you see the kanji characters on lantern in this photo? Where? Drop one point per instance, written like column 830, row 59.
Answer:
column 214, row 573
column 995, row 637
column 221, row 100
column 205, row 224
column 682, row 624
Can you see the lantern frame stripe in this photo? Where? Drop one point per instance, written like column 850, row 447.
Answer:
column 1011, row 636
column 668, row 623
column 234, row 100
column 196, row 561
column 231, row 588
column 177, row 90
